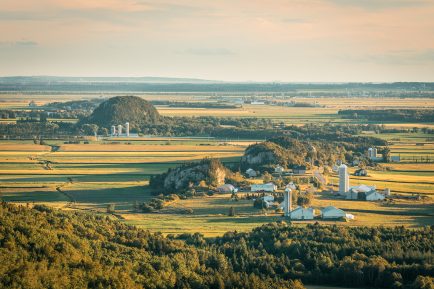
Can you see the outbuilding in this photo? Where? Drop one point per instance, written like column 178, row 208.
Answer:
column 227, row 188
column 268, row 187
column 374, row 196
column 301, row 213
column 332, row 212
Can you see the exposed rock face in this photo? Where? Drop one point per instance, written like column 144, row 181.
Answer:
column 210, row 171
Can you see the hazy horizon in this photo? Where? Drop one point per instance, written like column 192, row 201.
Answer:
column 325, row 41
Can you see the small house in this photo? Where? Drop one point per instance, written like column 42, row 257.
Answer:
column 301, row 213
column 332, row 212
column 268, row 187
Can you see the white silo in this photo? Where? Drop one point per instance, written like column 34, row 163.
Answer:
column 127, row 129
column 287, row 202
column 119, row 130
column 113, row 130
column 344, row 179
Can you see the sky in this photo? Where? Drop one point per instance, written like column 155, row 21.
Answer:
column 231, row 40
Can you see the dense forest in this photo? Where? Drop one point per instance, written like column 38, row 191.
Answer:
column 46, row 248
column 401, row 115
column 42, row 247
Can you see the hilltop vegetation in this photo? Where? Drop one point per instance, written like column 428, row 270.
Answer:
column 45, row 248
column 290, row 152
column 121, row 109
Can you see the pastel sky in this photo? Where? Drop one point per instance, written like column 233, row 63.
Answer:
column 234, row 40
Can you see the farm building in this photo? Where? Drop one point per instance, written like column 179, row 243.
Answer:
column 361, row 173
column 279, row 169
column 344, row 179
column 353, row 192
column 332, row 212
column 299, row 170
column 301, row 213
column 269, row 200
column 251, row 173
column 227, row 188
column 374, row 196
column 268, row 187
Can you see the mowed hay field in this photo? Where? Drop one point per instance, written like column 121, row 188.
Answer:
column 93, row 174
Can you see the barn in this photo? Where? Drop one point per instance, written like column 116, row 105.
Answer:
column 374, row 196
column 301, row 213
column 268, row 187
column 332, row 212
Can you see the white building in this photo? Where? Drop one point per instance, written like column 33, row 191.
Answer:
column 374, row 196
column 372, row 153
column 301, row 213
column 127, row 129
column 227, row 188
column 331, row 212
column 279, row 169
column 353, row 192
column 251, row 173
column 268, row 187
column 269, row 200
column 344, row 179
column 287, row 202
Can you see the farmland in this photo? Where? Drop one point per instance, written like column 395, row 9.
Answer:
column 116, row 171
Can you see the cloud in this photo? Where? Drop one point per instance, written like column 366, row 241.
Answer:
column 395, row 57
column 209, row 51
column 381, row 4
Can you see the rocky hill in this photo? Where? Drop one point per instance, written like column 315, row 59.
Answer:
column 121, row 109
column 178, row 179
column 289, row 152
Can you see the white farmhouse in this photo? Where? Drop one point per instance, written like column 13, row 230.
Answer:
column 374, row 196
column 301, row 213
column 268, row 187
column 331, row 212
